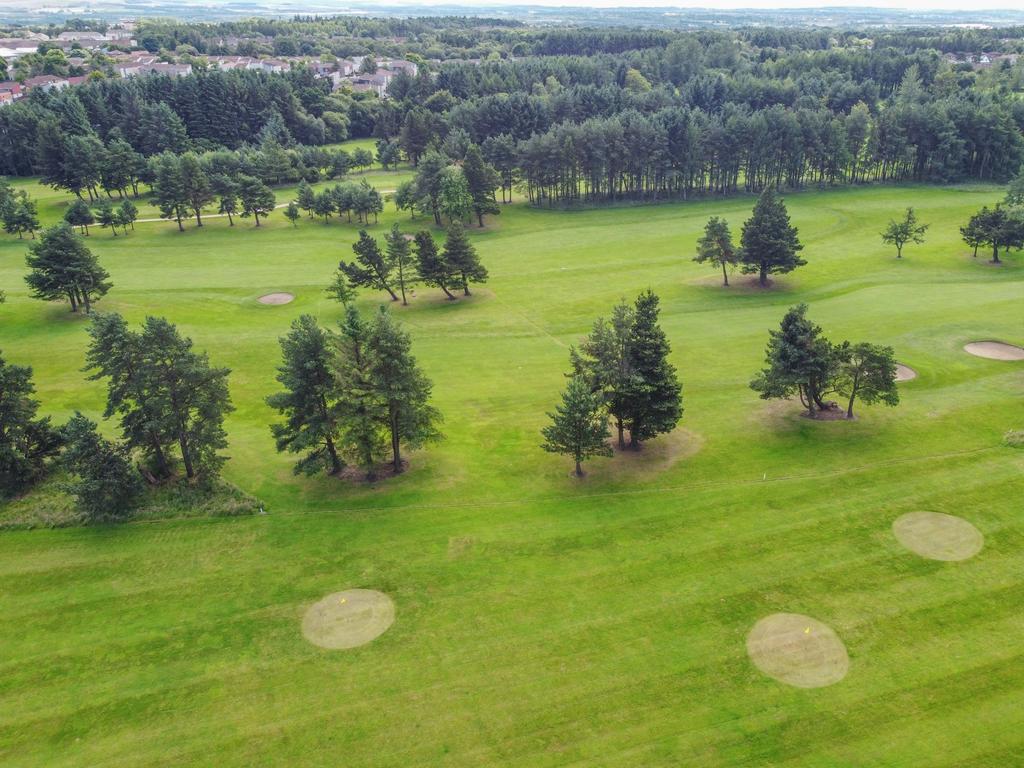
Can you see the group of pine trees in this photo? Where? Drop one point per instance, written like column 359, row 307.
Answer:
column 454, row 182
column 620, row 373
column 768, row 242
column 104, row 213
column 351, row 396
column 404, row 263
column 801, row 361
column 170, row 404
column 344, row 199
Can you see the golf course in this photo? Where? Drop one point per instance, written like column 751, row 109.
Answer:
column 522, row 616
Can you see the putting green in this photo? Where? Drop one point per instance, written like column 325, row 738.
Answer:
column 348, row 619
column 798, row 650
column 938, row 536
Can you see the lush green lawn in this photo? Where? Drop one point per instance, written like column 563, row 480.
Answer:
column 540, row 620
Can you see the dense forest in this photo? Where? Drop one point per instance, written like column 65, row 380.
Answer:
column 571, row 114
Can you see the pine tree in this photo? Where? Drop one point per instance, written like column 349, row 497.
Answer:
column 715, row 247
column 128, row 214
column 403, row 388
column 306, row 197
column 257, row 198
column 768, row 243
column 106, row 216
column 372, row 268
column 191, row 398
column 169, row 188
column 398, row 254
column 654, row 395
column 61, row 266
column 25, row 441
column 461, row 257
column 579, row 425
column 106, row 486
column 116, row 353
column 799, row 360
column 361, row 409
column 197, row 190
column 483, row 180
column 605, row 358
column 80, row 215
column 309, row 403
column 291, row 212
column 341, row 289
column 432, row 269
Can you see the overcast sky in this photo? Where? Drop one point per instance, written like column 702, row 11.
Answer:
column 917, row 5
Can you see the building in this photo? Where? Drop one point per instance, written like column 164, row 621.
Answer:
column 46, row 83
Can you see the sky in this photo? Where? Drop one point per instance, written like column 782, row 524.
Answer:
column 916, row 5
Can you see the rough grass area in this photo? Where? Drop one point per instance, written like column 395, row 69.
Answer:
column 541, row 621
column 1014, row 438
column 49, row 506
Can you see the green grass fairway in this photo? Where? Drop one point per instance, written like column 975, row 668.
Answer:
column 542, row 621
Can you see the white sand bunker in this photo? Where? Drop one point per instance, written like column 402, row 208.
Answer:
column 905, row 372
column 938, row 536
column 348, row 619
column 798, row 650
column 276, row 298
column 994, row 350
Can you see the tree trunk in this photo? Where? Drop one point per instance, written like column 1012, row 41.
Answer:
column 74, row 300
column 480, row 219
column 899, row 251
column 332, row 451
column 725, row 275
column 85, row 300
column 622, row 433
column 181, row 228
column 447, row 292
column 764, row 276
column 396, row 454
column 995, row 254
column 199, row 218
column 853, row 396
column 257, row 218
column 579, row 469
column 465, row 284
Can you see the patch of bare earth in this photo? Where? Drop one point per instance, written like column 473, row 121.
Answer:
column 905, row 372
column 657, row 455
column 798, row 650
column 938, row 536
column 276, row 299
column 994, row 350
column 348, row 619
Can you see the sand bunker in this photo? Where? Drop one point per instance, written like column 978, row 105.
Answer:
column 905, row 372
column 348, row 619
column 276, row 298
column 798, row 650
column 938, row 536
column 994, row 350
